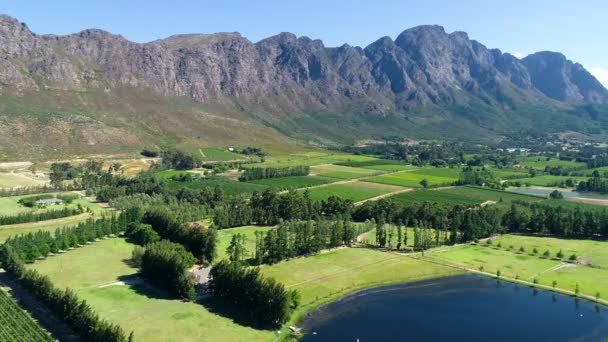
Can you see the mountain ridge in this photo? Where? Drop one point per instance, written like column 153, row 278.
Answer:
column 291, row 84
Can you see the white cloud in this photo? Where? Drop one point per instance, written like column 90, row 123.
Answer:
column 519, row 55
column 601, row 74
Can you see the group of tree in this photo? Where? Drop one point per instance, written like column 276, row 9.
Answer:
column 64, row 303
column 478, row 176
column 30, row 201
column 594, row 184
column 395, row 236
column 38, row 189
column 179, row 160
column 274, row 172
column 270, row 207
column 166, row 265
column 41, row 216
column 295, row 238
column 197, row 239
column 263, row 299
column 255, row 151
column 106, row 186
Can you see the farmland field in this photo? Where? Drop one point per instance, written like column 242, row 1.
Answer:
column 357, row 191
column 548, row 180
column 224, row 236
column 509, row 174
column 293, row 182
column 436, row 196
column 539, row 163
column 17, row 325
column 213, row 154
column 91, row 269
column 435, row 177
column 342, row 172
column 380, row 164
column 310, row 159
column 229, row 186
column 485, row 194
column 9, row 180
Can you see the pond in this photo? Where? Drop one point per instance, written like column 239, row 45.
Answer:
column 459, row 308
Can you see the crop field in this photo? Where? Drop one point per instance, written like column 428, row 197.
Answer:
column 224, row 236
column 214, row 154
column 167, row 174
column 310, row 159
column 435, row 196
column 229, row 186
column 293, row 182
column 342, row 172
column 94, row 271
column 510, row 173
column 486, row 194
column 380, row 164
column 16, row 325
column 539, row 163
column 548, row 180
column 412, row 179
column 357, row 191
column 326, row 276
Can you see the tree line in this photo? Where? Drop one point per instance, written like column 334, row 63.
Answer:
column 594, row 184
column 296, row 238
column 263, row 299
column 273, row 172
column 64, row 303
column 43, row 216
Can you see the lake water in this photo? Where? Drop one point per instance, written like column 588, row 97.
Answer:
column 459, row 308
column 566, row 192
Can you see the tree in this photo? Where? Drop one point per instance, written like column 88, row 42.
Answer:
column 555, row 194
column 554, row 283
column 424, row 183
column 236, row 250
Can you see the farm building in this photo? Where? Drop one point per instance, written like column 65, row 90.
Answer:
column 50, row 201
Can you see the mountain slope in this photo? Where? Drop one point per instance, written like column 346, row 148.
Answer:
column 423, row 84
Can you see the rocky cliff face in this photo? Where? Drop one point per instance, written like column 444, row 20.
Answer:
column 423, row 65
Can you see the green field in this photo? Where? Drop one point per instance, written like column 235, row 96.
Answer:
column 357, row 191
column 229, row 186
column 49, row 225
column 548, row 180
column 412, row 179
column 509, row 173
column 324, row 277
column 380, row 164
column 17, row 325
column 224, row 236
column 486, row 194
column 590, row 272
column 10, row 205
column 370, row 237
column 293, row 182
column 91, row 269
column 539, row 163
column 342, row 172
column 166, row 174
column 435, row 196
column 310, row 159
column 214, row 154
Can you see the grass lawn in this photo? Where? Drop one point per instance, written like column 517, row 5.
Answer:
column 436, row 196
column 412, row 179
column 293, row 182
column 590, row 280
column 341, row 172
column 325, row 276
column 357, row 191
column 8, row 180
column 548, row 180
column 509, row 263
column 10, row 206
column 137, row 308
column 540, row 163
column 224, row 236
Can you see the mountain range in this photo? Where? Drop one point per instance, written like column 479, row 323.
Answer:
column 97, row 92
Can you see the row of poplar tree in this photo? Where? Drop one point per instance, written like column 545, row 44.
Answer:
column 42, row 216
column 253, row 173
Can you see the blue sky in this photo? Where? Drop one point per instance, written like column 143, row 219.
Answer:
column 579, row 29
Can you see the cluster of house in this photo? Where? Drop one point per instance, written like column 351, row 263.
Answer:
column 49, row 201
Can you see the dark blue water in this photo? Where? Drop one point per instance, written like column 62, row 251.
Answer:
column 460, row 308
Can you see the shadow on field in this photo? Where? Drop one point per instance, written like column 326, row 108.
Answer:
column 231, row 312
column 137, row 284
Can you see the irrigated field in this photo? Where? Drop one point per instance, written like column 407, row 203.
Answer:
column 11, row 180
column 310, row 159
column 412, row 179
column 16, row 325
column 293, row 182
column 540, row 163
column 342, row 172
column 95, row 272
column 357, row 191
column 548, row 180
column 213, row 154
column 486, row 194
column 229, row 186
column 435, row 196
column 380, row 164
